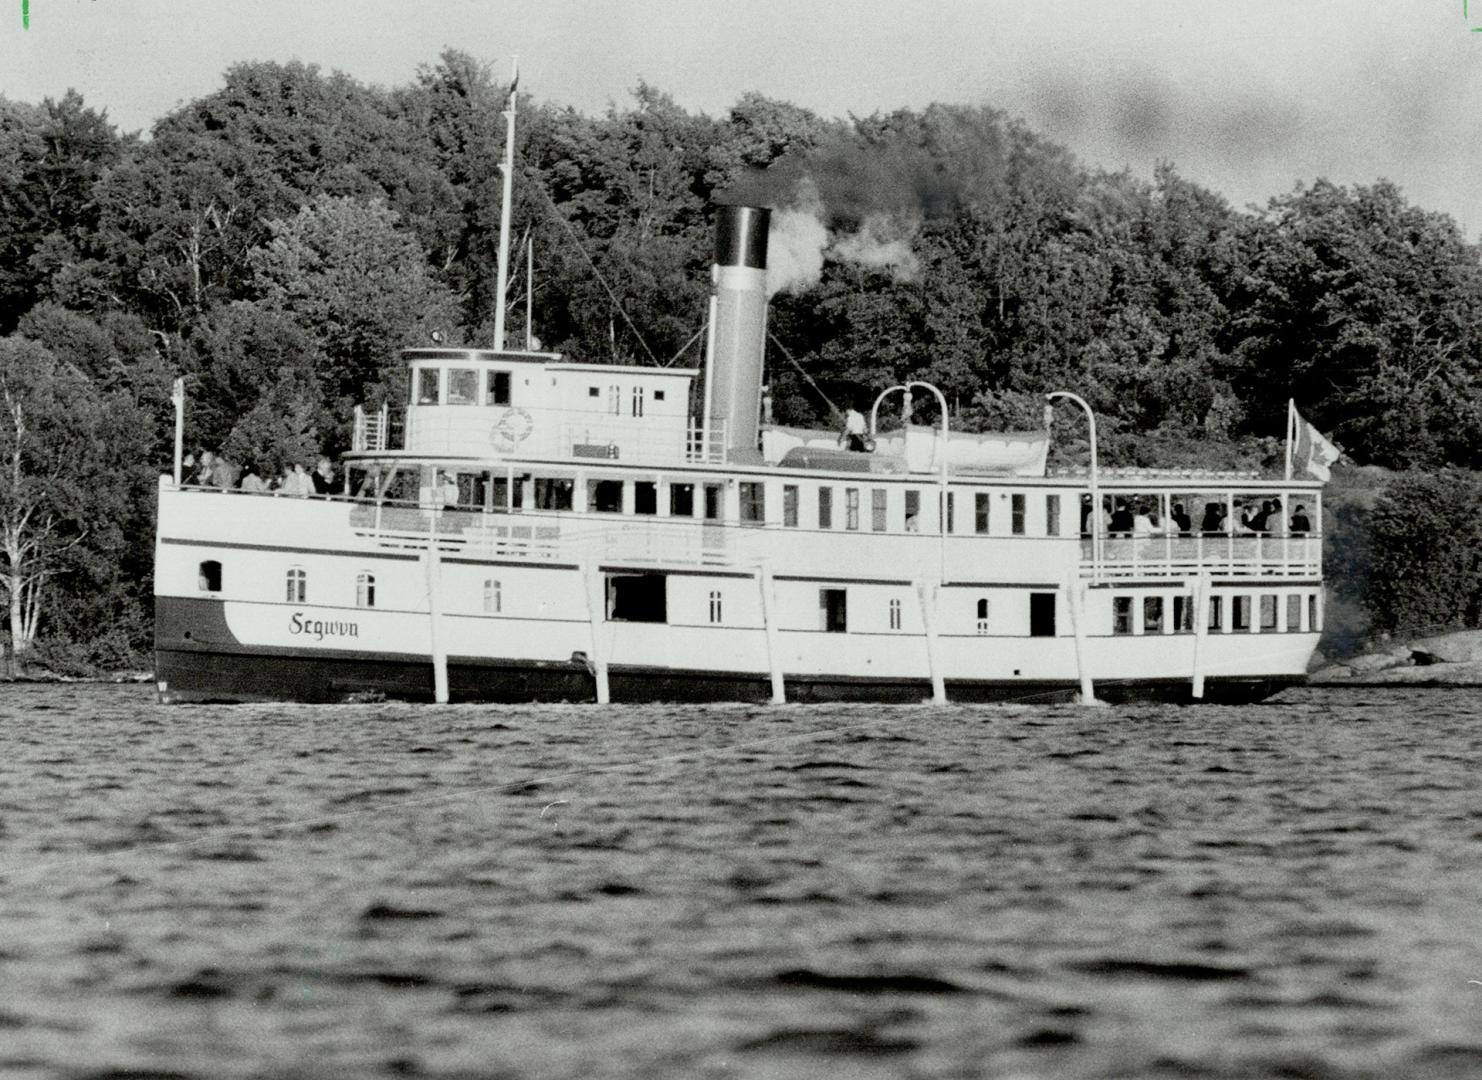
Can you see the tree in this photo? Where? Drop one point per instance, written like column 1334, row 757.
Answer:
column 67, row 454
column 1425, row 570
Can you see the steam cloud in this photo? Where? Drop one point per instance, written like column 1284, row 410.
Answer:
column 801, row 241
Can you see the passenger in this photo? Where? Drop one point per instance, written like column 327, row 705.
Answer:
column 223, row 473
column 205, row 462
column 1214, row 520
column 1260, row 521
column 855, row 430
column 251, row 481
column 1121, row 520
column 1300, row 525
column 323, row 477
column 1182, row 521
column 449, row 489
column 1142, row 522
column 1085, row 515
column 296, row 481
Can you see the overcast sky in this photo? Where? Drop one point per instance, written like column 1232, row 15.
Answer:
column 1246, row 96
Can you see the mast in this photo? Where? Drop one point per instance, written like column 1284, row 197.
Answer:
column 507, row 167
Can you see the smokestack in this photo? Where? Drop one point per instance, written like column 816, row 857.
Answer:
column 739, row 327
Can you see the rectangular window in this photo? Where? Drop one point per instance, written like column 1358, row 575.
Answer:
column 1052, row 515
column 592, row 391
column 1314, row 616
column 493, row 596
column 851, row 508
column 790, row 505
column 365, row 590
column 1268, row 612
column 1240, row 613
column 1121, row 615
column 1041, row 614
column 682, row 500
column 553, row 493
column 716, row 610
column 713, row 502
column 753, row 502
column 1216, row 613
column 877, row 509
column 825, row 508
column 913, row 511
column 637, row 598
column 1293, row 613
column 1016, row 514
column 949, row 518
column 615, row 400
column 833, row 610
column 209, row 577
column 1152, row 614
column 658, row 395
column 463, row 386
column 982, row 614
column 298, row 586
column 1183, row 614
column 499, row 388
column 637, row 401
column 981, row 501
column 895, row 614
column 427, row 386
column 645, row 497
column 605, row 496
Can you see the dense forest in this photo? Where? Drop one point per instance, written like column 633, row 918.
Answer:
column 276, row 242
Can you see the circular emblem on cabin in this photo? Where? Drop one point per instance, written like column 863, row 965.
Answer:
column 514, row 427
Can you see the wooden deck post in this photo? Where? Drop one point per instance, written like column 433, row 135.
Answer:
column 1075, row 596
column 435, row 614
column 1201, row 631
column 596, row 610
column 769, row 624
column 928, row 621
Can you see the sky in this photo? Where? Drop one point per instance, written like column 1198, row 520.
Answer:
column 1248, row 97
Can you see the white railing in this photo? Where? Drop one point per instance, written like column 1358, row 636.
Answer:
column 371, row 430
column 549, row 538
column 1182, row 556
column 706, row 444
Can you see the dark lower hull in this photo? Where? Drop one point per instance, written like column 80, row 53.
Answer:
column 197, row 660
column 221, row 677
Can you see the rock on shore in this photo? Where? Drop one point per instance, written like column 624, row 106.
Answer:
column 1445, row 660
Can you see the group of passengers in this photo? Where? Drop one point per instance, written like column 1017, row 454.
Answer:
column 1139, row 518
column 209, row 469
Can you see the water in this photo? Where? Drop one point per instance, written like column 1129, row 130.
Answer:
column 383, row 890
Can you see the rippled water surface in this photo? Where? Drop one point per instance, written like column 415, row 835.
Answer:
column 1292, row 889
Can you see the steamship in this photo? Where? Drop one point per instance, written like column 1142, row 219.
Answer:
column 529, row 528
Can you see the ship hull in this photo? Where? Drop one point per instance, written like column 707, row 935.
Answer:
column 202, row 664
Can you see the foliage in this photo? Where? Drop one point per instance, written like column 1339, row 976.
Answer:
column 1425, row 554
column 276, row 240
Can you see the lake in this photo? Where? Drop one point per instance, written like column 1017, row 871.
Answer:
column 1291, row 889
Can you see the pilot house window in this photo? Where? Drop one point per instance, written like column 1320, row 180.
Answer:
column 499, row 388
column 427, row 386
column 463, row 386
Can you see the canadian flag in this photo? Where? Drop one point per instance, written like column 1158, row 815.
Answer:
column 1307, row 449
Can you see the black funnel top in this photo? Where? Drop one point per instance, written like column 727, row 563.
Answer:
column 741, row 236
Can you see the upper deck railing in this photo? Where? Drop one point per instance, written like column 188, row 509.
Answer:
column 1184, row 556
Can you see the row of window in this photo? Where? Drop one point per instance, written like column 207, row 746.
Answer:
column 850, row 508
column 470, row 386
column 1246, row 614
column 644, row 598
column 630, row 598
column 296, row 586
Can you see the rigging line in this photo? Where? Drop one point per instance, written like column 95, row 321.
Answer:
column 826, row 399
column 571, row 232
column 683, row 348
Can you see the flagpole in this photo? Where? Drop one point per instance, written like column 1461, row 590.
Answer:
column 1291, row 431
